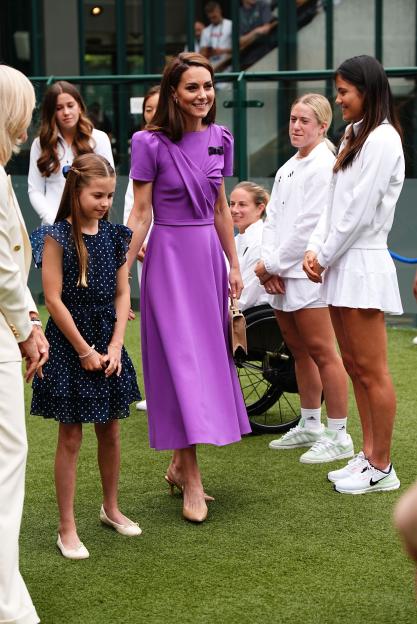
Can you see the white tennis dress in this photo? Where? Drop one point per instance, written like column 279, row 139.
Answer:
column 351, row 236
column 299, row 196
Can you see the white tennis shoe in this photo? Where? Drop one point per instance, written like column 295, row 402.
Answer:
column 297, row 437
column 369, row 479
column 328, row 448
column 353, row 466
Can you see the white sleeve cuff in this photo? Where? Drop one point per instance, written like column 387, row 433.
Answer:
column 271, row 267
column 321, row 260
column 312, row 247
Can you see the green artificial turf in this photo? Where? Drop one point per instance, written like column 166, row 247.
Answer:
column 279, row 544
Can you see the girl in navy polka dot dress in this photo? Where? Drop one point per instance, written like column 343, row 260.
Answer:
column 89, row 377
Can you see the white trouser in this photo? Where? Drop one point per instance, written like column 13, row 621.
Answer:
column 15, row 603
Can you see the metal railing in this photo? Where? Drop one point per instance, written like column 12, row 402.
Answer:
column 239, row 103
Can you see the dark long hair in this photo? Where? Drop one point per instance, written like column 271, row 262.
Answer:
column 48, row 161
column 168, row 117
column 370, row 79
column 83, row 169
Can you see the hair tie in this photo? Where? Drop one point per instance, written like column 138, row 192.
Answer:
column 67, row 168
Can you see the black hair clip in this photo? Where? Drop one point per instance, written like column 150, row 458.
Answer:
column 65, row 170
column 216, row 150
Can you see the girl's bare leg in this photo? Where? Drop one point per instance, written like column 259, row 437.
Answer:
column 68, row 447
column 108, row 456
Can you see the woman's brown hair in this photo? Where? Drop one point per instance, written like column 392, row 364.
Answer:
column 48, row 162
column 369, row 77
column 82, row 171
column 169, row 117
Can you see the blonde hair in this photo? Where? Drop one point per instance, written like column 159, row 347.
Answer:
column 322, row 110
column 83, row 170
column 17, row 101
column 258, row 193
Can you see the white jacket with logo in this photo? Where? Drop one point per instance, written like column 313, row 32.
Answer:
column 299, row 197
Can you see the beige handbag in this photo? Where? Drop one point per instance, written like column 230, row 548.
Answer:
column 237, row 329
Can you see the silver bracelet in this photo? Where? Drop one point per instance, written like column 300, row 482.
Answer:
column 86, row 355
column 36, row 321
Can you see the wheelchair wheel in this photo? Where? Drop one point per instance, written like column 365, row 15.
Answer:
column 267, row 375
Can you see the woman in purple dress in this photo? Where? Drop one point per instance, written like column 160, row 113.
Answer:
column 178, row 165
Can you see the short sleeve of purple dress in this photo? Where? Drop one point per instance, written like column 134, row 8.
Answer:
column 192, row 390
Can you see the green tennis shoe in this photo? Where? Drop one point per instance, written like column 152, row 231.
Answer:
column 328, row 448
column 297, row 437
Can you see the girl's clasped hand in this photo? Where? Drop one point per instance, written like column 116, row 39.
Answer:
column 109, row 362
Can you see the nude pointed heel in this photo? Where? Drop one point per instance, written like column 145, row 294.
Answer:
column 174, row 484
column 193, row 515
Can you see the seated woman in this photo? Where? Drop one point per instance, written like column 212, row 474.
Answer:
column 248, row 203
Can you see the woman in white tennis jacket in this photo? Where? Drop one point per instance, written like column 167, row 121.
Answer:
column 298, row 198
column 248, row 202
column 65, row 132
column 360, row 280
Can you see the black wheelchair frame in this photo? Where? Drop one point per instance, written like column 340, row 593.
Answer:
column 267, row 374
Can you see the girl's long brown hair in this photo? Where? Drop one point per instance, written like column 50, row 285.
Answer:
column 48, row 161
column 169, row 117
column 370, row 79
column 83, row 170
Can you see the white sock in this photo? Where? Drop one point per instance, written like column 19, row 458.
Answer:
column 312, row 418
column 339, row 425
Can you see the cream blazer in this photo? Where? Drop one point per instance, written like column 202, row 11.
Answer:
column 15, row 258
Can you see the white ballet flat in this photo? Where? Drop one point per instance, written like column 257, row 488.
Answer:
column 72, row 553
column 132, row 529
column 141, row 406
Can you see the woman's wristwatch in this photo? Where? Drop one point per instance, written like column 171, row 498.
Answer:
column 36, row 321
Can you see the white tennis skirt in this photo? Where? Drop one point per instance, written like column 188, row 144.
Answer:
column 363, row 278
column 300, row 293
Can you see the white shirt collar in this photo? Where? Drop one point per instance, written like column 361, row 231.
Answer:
column 250, row 232
column 355, row 126
column 311, row 155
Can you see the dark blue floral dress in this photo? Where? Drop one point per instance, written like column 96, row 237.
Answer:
column 68, row 393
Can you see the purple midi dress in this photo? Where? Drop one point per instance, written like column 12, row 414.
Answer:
column 192, row 390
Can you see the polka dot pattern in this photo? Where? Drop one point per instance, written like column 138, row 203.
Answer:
column 67, row 392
